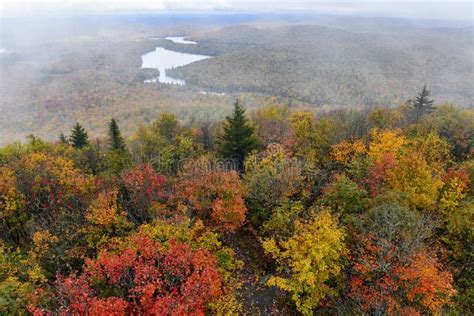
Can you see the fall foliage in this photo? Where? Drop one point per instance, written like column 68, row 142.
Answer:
column 145, row 280
column 216, row 196
column 313, row 256
column 329, row 215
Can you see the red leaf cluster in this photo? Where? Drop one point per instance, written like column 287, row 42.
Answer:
column 150, row 279
column 377, row 173
column 144, row 186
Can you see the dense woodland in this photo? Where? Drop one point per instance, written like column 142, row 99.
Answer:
column 335, row 65
column 278, row 210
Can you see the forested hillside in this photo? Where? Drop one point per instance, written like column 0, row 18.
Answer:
column 56, row 73
column 276, row 211
column 332, row 66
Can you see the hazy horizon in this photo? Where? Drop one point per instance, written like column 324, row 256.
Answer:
column 75, row 55
column 442, row 10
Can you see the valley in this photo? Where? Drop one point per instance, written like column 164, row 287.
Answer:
column 125, row 72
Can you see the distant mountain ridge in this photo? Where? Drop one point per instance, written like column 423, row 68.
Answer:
column 329, row 66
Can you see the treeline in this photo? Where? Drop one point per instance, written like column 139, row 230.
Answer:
column 347, row 212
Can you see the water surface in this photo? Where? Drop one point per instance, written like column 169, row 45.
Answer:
column 163, row 59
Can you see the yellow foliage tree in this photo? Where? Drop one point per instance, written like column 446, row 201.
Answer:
column 436, row 150
column 273, row 177
column 313, row 255
column 385, row 142
column 20, row 274
column 455, row 190
column 311, row 139
column 271, row 124
column 384, row 118
column 104, row 210
column 345, row 151
column 105, row 219
column 413, row 176
column 11, row 199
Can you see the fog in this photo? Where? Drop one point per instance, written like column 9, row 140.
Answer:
column 57, row 61
column 457, row 10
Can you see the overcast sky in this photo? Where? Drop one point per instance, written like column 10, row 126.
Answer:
column 461, row 10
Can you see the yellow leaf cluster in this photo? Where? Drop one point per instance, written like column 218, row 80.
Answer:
column 413, row 176
column 436, row 150
column 104, row 210
column 385, row 142
column 452, row 196
column 42, row 241
column 313, row 256
column 10, row 198
column 345, row 151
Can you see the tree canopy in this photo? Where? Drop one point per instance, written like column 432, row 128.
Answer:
column 344, row 213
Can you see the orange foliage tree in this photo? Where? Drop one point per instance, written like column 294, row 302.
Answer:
column 377, row 173
column 392, row 270
column 419, row 285
column 214, row 195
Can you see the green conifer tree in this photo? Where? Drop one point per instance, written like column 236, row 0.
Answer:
column 421, row 104
column 116, row 141
column 206, row 137
column 238, row 138
column 63, row 140
column 78, row 138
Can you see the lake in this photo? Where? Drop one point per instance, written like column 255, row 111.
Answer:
column 163, row 59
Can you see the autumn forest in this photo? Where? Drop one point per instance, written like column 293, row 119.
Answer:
column 275, row 211
column 234, row 157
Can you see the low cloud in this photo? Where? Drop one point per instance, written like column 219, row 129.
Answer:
column 401, row 8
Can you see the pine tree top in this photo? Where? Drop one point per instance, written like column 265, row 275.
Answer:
column 237, row 139
column 63, row 139
column 421, row 104
column 116, row 141
column 79, row 137
column 422, row 99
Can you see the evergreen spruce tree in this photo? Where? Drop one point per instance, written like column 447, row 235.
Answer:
column 237, row 139
column 63, row 140
column 421, row 104
column 116, row 141
column 78, row 138
column 118, row 158
column 206, row 137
